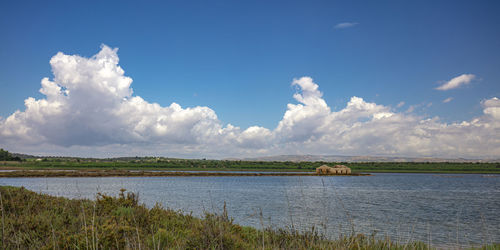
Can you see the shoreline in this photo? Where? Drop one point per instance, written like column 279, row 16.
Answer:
column 128, row 173
column 76, row 173
column 10, row 172
column 240, row 166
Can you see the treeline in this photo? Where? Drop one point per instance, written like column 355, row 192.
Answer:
column 185, row 164
column 151, row 163
column 426, row 166
column 6, row 156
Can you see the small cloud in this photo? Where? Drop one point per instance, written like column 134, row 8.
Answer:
column 401, row 104
column 418, row 107
column 411, row 109
column 447, row 100
column 345, row 25
column 457, row 82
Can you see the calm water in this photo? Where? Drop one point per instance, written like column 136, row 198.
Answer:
column 442, row 209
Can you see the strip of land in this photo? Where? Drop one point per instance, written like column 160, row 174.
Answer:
column 129, row 173
column 167, row 164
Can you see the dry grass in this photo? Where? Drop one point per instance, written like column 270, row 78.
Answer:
column 38, row 221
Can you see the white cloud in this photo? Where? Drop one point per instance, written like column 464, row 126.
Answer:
column 492, row 107
column 447, row 100
column 411, row 108
column 89, row 109
column 400, row 104
column 97, row 108
column 345, row 25
column 456, row 82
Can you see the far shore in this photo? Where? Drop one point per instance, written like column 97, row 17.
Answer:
column 16, row 172
column 129, row 173
column 119, row 167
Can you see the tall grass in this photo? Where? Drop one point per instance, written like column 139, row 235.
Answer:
column 38, row 221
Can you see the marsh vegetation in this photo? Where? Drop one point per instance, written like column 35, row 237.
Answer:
column 37, row 221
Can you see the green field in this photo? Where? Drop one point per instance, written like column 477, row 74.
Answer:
column 150, row 163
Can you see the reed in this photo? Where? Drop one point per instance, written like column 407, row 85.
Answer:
column 38, row 221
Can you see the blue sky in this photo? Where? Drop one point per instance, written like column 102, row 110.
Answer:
column 239, row 58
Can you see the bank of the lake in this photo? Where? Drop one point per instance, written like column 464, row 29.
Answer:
column 226, row 165
column 12, row 173
column 37, row 221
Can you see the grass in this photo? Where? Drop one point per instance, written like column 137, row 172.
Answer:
column 225, row 165
column 38, row 221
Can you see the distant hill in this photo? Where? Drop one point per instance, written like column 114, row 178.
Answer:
column 293, row 158
column 69, row 158
column 23, row 156
column 339, row 158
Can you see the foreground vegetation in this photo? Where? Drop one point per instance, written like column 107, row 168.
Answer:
column 37, row 221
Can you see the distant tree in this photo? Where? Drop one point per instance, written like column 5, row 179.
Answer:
column 6, row 156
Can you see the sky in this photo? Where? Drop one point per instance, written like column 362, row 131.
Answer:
column 217, row 79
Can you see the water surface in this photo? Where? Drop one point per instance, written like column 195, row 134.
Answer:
column 438, row 208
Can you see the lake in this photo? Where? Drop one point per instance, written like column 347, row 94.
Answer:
column 443, row 209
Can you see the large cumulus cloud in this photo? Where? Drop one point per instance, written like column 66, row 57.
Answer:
column 89, row 108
